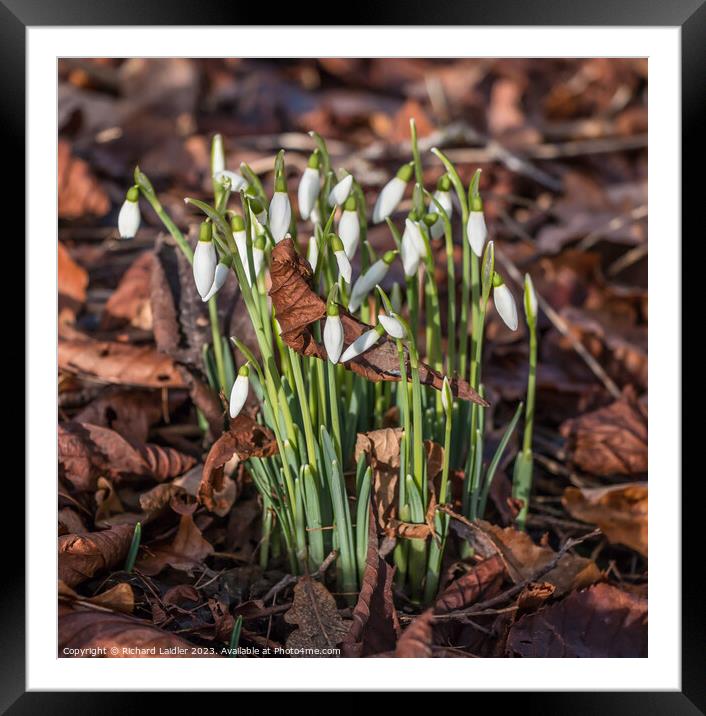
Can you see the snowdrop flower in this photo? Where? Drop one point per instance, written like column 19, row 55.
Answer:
column 237, row 226
column 412, row 248
column 340, row 192
column 129, row 216
column 312, row 253
column 258, row 256
column 371, row 278
column 219, row 278
column 504, row 302
column 391, row 194
column 333, row 329
column 205, row 260
column 349, row 227
column 392, row 325
column 344, row 265
column 363, row 343
column 257, row 213
column 237, row 182
column 530, row 300
column 239, row 391
column 443, row 196
column 476, row 230
column 218, row 157
column 309, row 187
column 280, row 211
column 447, row 398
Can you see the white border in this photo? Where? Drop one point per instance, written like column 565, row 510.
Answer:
column 662, row 669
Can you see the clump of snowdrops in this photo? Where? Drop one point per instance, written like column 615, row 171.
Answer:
column 315, row 496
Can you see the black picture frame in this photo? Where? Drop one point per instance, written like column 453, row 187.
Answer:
column 689, row 15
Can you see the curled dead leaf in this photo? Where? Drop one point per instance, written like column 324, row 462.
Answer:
column 73, row 281
column 297, row 307
column 619, row 510
column 523, row 559
column 185, row 552
column 79, row 192
column 602, row 621
column 89, row 633
column 375, row 627
column 82, row 556
column 129, row 304
column 245, row 438
column 119, row 598
column 87, row 451
column 609, row 441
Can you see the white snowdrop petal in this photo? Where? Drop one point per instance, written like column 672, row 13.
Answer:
column 129, row 219
column 444, row 198
column 409, row 255
column 280, row 215
column 258, row 259
column 390, row 196
column 241, row 241
column 392, row 326
column 505, row 306
column 333, row 338
column 218, row 280
column 366, row 283
column 312, row 254
column 308, row 191
column 349, row 232
column 415, row 235
column 361, row 344
column 238, row 395
column 344, row 265
column 205, row 261
column 237, row 182
column 476, row 232
column 340, row 192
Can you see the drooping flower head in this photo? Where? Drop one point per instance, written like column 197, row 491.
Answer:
column 392, row 193
column 504, row 302
column 239, row 391
column 309, row 186
column 340, row 191
column 349, row 226
column 205, row 260
column 129, row 216
column 367, row 281
column 344, row 265
column 333, row 328
column 443, row 196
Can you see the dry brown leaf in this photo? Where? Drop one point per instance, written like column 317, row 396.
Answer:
column 297, row 307
column 375, row 626
column 129, row 412
column 79, row 191
column 245, row 438
column 90, row 633
column 523, row 559
column 602, row 621
column 119, row 598
column 185, row 552
column 73, row 281
column 416, row 639
column 481, row 582
column 87, row 451
column 120, row 363
column 82, row 556
column 319, row 626
column 130, row 304
column 609, row 441
column 619, row 510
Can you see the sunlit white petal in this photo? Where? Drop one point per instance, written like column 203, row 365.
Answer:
column 409, row 255
column 308, row 191
column 344, row 265
column 476, row 232
column 505, row 306
column 312, row 254
column 333, row 338
column 392, row 326
column 366, row 283
column 349, row 232
column 237, row 182
column 361, row 344
column 444, row 198
column 219, row 279
column 415, row 234
column 205, row 261
column 238, row 395
column 340, row 192
column 280, row 215
column 129, row 219
column 390, row 196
